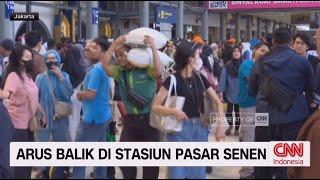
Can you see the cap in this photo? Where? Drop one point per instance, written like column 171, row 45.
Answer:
column 7, row 44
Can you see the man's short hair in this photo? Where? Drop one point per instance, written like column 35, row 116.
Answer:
column 282, row 36
column 103, row 43
column 304, row 37
column 32, row 38
column 7, row 44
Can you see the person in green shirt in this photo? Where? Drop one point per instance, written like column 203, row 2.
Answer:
column 142, row 83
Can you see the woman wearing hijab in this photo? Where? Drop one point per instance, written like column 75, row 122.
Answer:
column 229, row 85
column 55, row 83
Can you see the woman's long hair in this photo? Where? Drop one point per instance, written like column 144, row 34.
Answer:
column 73, row 66
column 15, row 62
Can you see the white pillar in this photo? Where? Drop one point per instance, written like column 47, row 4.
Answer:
column 7, row 30
column 179, row 27
column 223, row 27
column 144, row 18
column 205, row 27
column 92, row 29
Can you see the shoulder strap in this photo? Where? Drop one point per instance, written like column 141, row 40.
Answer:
column 50, row 88
column 204, row 87
column 173, row 84
column 125, row 79
column 29, row 101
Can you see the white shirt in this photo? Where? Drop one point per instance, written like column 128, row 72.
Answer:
column 5, row 61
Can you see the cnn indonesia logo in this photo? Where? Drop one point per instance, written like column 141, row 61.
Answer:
column 287, row 154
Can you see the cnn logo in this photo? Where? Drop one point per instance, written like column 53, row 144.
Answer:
column 284, row 149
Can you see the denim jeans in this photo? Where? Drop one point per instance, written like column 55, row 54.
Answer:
column 247, row 134
column 192, row 131
column 58, row 133
column 90, row 133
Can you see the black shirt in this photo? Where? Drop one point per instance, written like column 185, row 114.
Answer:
column 192, row 102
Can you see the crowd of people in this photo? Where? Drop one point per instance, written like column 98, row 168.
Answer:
column 85, row 92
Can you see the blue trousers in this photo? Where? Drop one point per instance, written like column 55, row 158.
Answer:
column 59, row 132
column 90, row 133
column 192, row 131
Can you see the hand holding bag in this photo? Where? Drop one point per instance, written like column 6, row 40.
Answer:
column 169, row 123
column 62, row 109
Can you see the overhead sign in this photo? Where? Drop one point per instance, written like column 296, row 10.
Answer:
column 303, row 18
column 236, row 5
column 95, row 16
column 9, row 9
column 166, row 14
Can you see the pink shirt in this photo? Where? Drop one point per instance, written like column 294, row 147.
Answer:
column 18, row 103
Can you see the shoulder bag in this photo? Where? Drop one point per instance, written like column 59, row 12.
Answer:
column 169, row 124
column 208, row 106
column 34, row 123
column 62, row 109
column 276, row 92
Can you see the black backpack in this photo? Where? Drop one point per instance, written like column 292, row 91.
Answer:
column 275, row 91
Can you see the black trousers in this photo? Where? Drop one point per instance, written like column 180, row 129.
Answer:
column 230, row 108
column 280, row 132
column 22, row 135
column 139, row 130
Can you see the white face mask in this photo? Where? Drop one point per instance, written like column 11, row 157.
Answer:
column 23, row 41
column 198, row 65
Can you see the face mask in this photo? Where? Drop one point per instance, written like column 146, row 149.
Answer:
column 28, row 64
column 23, row 41
column 198, row 65
column 50, row 64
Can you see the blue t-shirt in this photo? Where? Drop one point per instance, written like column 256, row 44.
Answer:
column 97, row 110
column 245, row 100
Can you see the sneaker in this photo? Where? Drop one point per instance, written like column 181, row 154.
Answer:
column 236, row 133
column 208, row 170
column 41, row 175
column 228, row 131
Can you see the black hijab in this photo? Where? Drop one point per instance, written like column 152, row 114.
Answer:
column 234, row 65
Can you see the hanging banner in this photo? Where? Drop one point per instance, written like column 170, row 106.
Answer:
column 254, row 5
column 9, row 9
column 166, row 14
column 95, row 16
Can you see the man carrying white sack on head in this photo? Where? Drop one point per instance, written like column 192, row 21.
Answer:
column 137, row 88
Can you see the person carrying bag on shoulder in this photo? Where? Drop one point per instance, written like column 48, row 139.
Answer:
column 189, row 85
